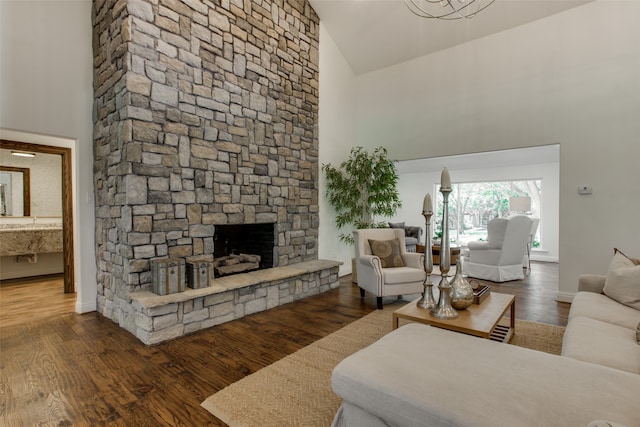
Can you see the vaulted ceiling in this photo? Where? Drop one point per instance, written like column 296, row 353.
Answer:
column 374, row 34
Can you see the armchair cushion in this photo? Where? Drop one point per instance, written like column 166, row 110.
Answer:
column 388, row 251
column 623, row 280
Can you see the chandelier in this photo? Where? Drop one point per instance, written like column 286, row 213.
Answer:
column 447, row 9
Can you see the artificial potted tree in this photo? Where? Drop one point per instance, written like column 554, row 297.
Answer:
column 361, row 189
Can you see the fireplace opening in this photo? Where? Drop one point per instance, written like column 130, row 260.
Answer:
column 238, row 248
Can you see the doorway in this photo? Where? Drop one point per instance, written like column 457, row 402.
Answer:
column 418, row 176
column 67, row 202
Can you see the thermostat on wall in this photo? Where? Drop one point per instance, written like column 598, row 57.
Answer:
column 585, row 190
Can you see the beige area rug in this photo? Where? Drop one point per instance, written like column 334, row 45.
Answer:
column 296, row 390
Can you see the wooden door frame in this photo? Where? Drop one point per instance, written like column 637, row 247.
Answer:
column 67, row 202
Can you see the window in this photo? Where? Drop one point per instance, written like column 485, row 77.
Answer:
column 472, row 205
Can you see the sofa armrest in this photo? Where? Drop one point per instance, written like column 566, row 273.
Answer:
column 591, row 283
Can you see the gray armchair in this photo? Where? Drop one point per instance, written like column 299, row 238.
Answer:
column 412, row 234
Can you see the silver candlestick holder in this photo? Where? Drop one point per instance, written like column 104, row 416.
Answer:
column 444, row 310
column 427, row 301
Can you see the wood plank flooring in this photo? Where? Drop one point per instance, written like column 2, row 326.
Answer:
column 34, row 298
column 84, row 370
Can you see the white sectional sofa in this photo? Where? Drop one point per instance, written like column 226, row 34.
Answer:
column 601, row 330
column 419, row 375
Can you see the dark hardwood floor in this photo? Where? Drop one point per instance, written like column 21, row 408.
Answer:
column 71, row 369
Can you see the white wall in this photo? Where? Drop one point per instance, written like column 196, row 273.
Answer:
column 46, row 74
column 337, row 136
column 49, row 263
column 570, row 79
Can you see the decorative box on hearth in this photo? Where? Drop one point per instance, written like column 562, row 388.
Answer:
column 199, row 272
column 167, row 275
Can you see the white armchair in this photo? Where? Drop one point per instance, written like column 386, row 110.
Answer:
column 499, row 259
column 387, row 281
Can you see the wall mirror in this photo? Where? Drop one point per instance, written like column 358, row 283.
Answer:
column 15, row 191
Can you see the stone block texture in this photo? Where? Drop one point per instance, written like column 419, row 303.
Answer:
column 205, row 113
column 154, row 325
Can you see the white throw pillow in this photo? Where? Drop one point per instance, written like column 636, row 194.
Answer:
column 623, row 280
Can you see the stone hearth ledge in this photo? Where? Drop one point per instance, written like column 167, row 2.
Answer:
column 159, row 318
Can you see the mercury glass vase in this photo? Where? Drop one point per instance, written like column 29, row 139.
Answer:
column 461, row 291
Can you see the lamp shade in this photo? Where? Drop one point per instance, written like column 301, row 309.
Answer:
column 520, row 204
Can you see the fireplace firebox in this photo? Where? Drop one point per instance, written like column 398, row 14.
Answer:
column 249, row 239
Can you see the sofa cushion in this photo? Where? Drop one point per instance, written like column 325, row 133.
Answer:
column 388, row 251
column 623, row 280
column 601, row 343
column 603, row 308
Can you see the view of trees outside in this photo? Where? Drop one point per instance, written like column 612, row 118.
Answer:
column 473, row 205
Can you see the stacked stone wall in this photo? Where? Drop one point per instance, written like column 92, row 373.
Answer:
column 205, row 114
column 158, row 319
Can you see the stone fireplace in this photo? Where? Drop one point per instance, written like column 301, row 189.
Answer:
column 205, row 117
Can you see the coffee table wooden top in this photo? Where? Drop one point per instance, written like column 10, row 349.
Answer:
column 480, row 319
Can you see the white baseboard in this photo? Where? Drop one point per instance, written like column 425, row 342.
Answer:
column 344, row 271
column 85, row 307
column 543, row 258
column 565, row 297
